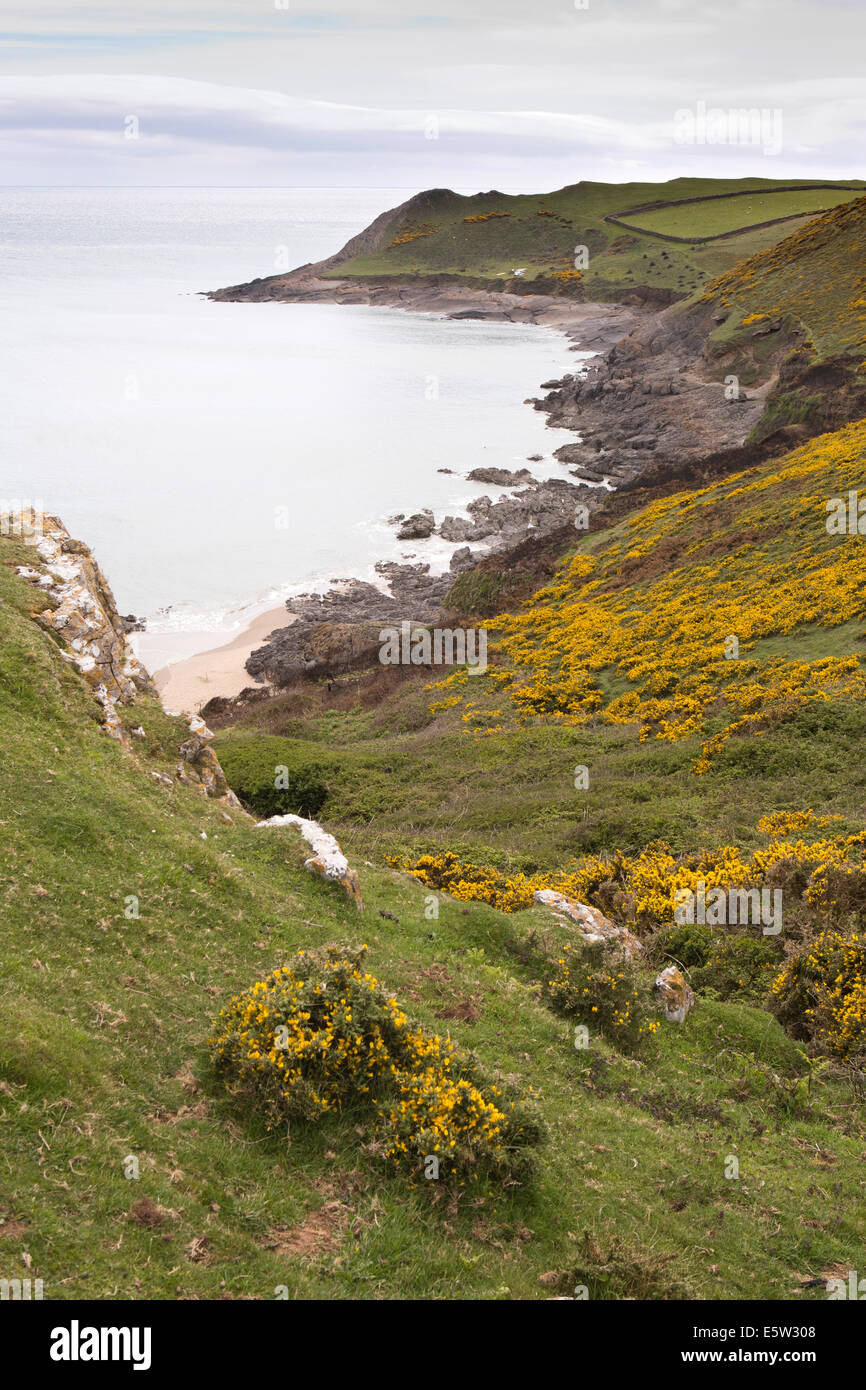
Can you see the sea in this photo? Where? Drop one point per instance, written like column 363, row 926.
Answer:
column 218, row 458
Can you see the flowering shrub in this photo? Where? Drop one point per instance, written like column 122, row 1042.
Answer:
column 469, row 882
column 829, row 874
column 664, row 629
column 783, row 822
column 322, row 1035
column 594, row 984
column 442, row 1107
column 411, row 232
column 820, row 994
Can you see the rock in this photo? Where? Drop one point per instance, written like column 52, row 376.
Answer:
column 338, row 630
column 327, row 860
column 216, row 705
column 417, row 527
column 500, row 477
column 461, row 560
column 766, row 329
column 675, row 994
column 592, row 924
column 461, row 528
column 81, row 612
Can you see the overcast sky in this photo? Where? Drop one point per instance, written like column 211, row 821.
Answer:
column 469, row 94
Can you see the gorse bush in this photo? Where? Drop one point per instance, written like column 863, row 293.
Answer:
column 828, row 874
column 691, row 944
column 594, row 984
column 323, row 1035
column 310, row 1038
column 272, row 777
column 820, row 994
column 660, row 630
column 469, row 882
column 739, row 966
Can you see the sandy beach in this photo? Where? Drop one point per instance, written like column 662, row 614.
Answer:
column 184, row 686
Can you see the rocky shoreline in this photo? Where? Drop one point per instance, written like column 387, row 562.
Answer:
column 641, row 405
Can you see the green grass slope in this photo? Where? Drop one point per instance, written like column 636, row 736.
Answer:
column 815, row 278
column 487, row 236
column 104, row 1017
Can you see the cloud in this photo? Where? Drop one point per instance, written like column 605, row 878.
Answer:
column 241, row 91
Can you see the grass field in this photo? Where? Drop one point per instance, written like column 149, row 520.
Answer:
column 722, row 216
column 133, row 909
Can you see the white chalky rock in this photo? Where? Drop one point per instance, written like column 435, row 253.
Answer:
column 592, row 924
column 327, row 859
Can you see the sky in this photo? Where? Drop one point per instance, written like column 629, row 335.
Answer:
column 520, row 95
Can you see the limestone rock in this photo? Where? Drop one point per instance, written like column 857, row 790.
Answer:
column 81, row 611
column 592, row 924
column 327, row 859
column 675, row 994
column 202, row 766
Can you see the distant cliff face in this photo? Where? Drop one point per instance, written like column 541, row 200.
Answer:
column 380, row 231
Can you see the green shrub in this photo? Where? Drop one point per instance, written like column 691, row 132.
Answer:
column 272, row 776
column 739, row 966
column 595, row 985
column 690, row 944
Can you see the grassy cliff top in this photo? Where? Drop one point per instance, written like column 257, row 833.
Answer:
column 679, row 233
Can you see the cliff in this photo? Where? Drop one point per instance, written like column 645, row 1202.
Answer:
column 77, row 606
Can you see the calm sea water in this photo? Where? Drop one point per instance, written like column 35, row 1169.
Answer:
column 220, row 456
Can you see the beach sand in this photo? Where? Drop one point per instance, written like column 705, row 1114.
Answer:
column 184, row 686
